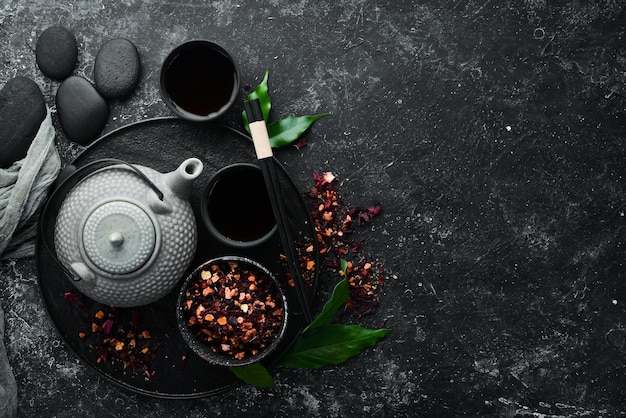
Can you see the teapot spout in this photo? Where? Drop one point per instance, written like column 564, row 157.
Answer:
column 180, row 180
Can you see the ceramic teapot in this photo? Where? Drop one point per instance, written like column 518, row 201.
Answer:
column 127, row 233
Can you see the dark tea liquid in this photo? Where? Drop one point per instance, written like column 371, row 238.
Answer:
column 200, row 80
column 239, row 206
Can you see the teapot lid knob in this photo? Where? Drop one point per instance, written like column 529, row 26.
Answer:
column 119, row 237
column 116, row 239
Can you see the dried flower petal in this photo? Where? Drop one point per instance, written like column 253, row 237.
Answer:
column 365, row 214
column 107, row 326
column 300, row 143
column 74, row 298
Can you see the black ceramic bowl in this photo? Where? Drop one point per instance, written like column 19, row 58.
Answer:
column 240, row 320
column 199, row 80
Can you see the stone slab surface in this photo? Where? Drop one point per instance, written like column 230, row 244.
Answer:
column 492, row 134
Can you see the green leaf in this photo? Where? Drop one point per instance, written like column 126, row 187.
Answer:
column 283, row 131
column 286, row 130
column 340, row 295
column 330, row 344
column 261, row 92
column 254, row 374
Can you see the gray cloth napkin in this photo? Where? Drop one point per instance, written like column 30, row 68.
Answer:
column 23, row 188
column 8, row 387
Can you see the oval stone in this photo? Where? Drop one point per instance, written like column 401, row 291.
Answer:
column 22, row 109
column 56, row 52
column 117, row 68
column 82, row 111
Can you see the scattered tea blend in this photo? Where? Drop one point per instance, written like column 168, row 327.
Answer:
column 334, row 220
column 233, row 308
column 118, row 339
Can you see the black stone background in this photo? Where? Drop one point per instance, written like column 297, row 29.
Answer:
column 492, row 133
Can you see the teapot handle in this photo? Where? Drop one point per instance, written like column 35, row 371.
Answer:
column 113, row 161
column 72, row 174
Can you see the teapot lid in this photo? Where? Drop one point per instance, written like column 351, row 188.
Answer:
column 119, row 237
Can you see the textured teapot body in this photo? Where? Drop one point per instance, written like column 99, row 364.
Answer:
column 124, row 242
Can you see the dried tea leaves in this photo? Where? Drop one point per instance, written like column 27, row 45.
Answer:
column 233, row 308
column 334, row 221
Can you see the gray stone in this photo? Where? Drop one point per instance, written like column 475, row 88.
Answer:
column 117, row 68
column 22, row 109
column 81, row 110
column 56, row 52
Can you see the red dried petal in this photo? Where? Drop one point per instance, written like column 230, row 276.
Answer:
column 358, row 245
column 375, row 210
column 364, row 214
column 300, row 143
column 107, row 326
column 74, row 298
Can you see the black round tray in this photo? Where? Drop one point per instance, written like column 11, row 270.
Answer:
column 176, row 371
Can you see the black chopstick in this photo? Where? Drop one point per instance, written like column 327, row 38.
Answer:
column 264, row 153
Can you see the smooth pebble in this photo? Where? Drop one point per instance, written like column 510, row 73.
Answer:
column 82, row 111
column 117, row 68
column 22, row 109
column 56, row 52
